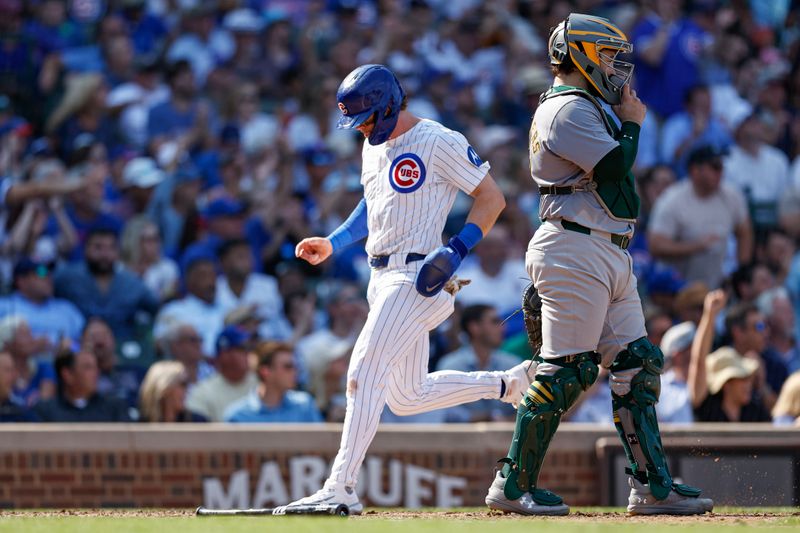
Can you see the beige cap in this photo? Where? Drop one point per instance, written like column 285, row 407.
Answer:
column 724, row 364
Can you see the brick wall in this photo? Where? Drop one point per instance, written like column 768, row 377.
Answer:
column 141, row 466
column 46, row 479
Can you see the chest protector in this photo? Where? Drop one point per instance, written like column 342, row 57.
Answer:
column 618, row 199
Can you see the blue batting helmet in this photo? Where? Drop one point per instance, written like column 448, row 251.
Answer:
column 370, row 90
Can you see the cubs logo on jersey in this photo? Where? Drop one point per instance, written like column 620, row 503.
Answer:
column 407, row 173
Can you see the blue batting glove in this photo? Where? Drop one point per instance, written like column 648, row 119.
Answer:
column 439, row 266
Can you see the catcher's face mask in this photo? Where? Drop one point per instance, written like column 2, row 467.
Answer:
column 599, row 51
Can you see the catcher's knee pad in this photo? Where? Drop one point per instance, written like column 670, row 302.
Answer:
column 538, row 417
column 635, row 389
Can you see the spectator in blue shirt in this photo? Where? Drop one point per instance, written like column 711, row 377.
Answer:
column 667, row 49
column 35, row 378
column 147, row 31
column 53, row 318
column 692, row 128
column 100, row 286
column 181, row 124
column 275, row 400
column 85, row 208
column 225, row 218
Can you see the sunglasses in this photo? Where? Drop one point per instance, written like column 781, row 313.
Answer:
column 42, row 271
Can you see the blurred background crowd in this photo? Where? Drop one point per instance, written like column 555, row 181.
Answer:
column 160, row 159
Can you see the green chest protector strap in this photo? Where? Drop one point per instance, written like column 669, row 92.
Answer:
column 619, row 198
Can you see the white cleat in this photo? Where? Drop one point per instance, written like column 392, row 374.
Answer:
column 496, row 499
column 641, row 501
column 329, row 495
column 517, row 379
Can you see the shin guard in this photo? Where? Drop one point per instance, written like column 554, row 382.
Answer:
column 635, row 388
column 538, row 417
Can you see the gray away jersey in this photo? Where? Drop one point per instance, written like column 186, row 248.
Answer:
column 410, row 183
column 567, row 139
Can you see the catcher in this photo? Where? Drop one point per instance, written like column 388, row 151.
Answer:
column 590, row 313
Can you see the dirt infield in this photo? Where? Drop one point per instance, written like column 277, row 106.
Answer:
column 577, row 517
column 738, row 517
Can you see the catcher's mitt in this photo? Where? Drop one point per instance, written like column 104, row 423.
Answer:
column 532, row 313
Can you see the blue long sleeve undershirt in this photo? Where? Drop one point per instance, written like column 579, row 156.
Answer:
column 353, row 229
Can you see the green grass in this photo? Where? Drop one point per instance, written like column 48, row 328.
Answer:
column 474, row 520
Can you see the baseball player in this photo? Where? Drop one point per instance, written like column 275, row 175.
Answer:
column 579, row 264
column 412, row 169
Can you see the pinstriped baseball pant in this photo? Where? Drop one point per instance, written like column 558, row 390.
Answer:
column 389, row 365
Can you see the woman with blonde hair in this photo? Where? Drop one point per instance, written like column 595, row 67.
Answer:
column 163, row 393
column 141, row 253
column 787, row 409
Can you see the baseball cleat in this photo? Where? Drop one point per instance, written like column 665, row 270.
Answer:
column 496, row 499
column 517, row 379
column 328, row 495
column 641, row 501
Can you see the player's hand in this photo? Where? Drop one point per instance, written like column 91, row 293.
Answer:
column 630, row 109
column 438, row 268
column 315, row 250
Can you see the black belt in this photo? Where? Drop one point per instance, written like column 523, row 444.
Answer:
column 567, row 189
column 382, row 261
column 623, row 241
column 556, row 189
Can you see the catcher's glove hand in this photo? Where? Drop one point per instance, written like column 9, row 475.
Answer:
column 532, row 313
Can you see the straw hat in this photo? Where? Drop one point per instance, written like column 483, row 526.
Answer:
column 725, row 364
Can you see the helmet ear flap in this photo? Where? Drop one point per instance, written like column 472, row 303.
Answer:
column 558, row 46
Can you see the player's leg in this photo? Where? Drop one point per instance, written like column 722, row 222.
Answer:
column 573, row 298
column 412, row 390
column 635, row 388
column 396, row 320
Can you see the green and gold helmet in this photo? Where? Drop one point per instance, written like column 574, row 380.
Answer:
column 582, row 38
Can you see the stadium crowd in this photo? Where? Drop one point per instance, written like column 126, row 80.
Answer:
column 160, row 159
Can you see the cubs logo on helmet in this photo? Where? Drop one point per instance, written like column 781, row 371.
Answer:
column 407, row 173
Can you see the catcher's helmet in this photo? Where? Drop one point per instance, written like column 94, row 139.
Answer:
column 581, row 38
column 370, row 90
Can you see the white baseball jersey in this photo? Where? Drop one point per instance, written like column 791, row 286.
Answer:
column 410, row 183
